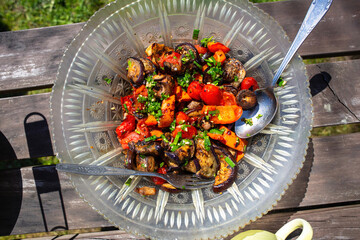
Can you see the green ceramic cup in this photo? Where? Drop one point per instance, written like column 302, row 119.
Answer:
column 281, row 234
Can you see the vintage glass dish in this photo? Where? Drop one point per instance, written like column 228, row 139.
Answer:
column 86, row 109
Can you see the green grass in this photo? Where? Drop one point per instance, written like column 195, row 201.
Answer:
column 25, row 14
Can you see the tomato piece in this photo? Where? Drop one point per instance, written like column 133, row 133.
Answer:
column 173, row 58
column 187, row 131
column 228, row 99
column 130, row 137
column 194, row 90
column 128, row 125
column 127, row 103
column 249, row 83
column 211, row 95
column 219, row 56
column 181, row 118
column 157, row 180
column 141, row 91
column 215, row 46
column 142, row 128
column 200, row 49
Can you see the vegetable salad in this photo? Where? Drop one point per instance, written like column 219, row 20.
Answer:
column 181, row 113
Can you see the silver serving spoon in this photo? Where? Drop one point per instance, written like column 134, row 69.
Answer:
column 267, row 105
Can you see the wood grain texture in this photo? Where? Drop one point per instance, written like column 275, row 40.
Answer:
column 338, row 33
column 29, row 59
column 327, row 223
column 324, row 180
column 335, row 88
column 23, row 125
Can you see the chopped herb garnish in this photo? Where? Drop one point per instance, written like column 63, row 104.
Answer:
column 217, row 131
column 197, row 64
column 230, row 162
column 281, row 82
column 207, row 143
column 192, row 54
column 177, row 138
column 128, row 181
column 214, row 113
column 161, row 164
column 126, row 108
column 215, row 70
column 244, row 148
column 164, row 96
column 259, row 116
column 195, row 35
column 248, row 134
column 204, row 42
column 185, row 81
column 164, row 138
column 247, row 121
column 173, row 125
column 152, row 138
column 185, row 142
column 236, row 78
column 142, row 156
column 137, row 131
column 129, row 63
column 107, row 80
column 143, row 165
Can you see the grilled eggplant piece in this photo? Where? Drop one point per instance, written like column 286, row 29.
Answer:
column 145, row 163
column 207, row 160
column 172, row 160
column 234, row 72
column 146, row 148
column 188, row 52
column 164, row 85
column 193, row 166
column 180, row 157
column 246, row 99
column 136, row 71
column 130, row 159
column 226, row 175
column 231, row 89
column 149, row 66
column 194, row 105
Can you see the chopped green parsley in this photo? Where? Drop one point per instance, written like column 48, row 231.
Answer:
column 204, row 42
column 247, row 121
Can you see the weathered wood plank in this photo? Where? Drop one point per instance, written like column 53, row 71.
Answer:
column 325, row 179
column 29, row 59
column 24, row 124
column 335, row 88
column 327, row 223
column 336, row 34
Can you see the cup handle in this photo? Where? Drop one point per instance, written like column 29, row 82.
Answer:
column 306, row 234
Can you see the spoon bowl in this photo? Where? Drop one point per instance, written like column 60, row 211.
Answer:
column 262, row 114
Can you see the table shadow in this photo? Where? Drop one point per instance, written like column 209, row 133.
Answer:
column 38, row 135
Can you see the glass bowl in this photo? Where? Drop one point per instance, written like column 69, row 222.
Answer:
column 85, row 110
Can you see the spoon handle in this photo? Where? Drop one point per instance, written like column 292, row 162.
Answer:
column 315, row 13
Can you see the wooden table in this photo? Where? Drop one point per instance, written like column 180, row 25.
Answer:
column 326, row 193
